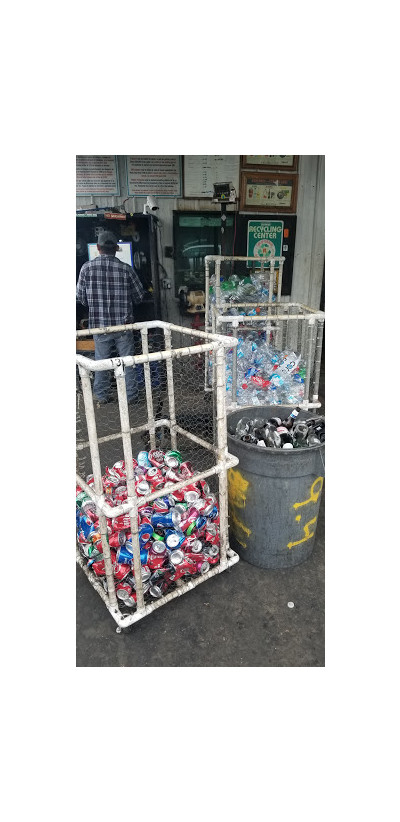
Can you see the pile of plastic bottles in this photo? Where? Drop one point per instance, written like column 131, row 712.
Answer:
column 178, row 532
column 277, row 433
column 265, row 375
column 251, row 289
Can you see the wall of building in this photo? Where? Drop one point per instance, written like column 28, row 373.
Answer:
column 310, row 235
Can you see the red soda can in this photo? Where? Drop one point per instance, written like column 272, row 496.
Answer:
column 134, row 462
column 191, row 494
column 186, row 469
column 99, row 568
column 157, row 555
column 211, row 502
column 90, row 479
column 118, row 472
column 113, row 476
column 121, row 523
column 144, row 520
column 211, row 553
column 173, row 474
column 212, row 533
column 117, row 539
column 153, row 475
column 156, row 457
column 108, row 486
column 192, row 545
column 121, row 571
column 121, row 493
column 123, row 591
column 142, row 487
column 181, row 564
column 178, row 495
column 204, row 487
column 189, row 519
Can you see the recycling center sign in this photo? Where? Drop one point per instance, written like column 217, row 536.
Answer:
column 264, row 239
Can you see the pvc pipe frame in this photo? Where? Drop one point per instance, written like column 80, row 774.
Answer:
column 217, row 343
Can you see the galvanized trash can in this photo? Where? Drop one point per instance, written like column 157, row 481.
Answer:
column 274, row 496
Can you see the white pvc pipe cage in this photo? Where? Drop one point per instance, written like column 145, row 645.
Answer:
column 286, row 323
column 211, row 345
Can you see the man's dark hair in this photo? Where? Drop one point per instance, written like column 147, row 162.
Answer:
column 108, row 248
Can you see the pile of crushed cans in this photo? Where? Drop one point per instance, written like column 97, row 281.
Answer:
column 178, row 532
column 282, row 433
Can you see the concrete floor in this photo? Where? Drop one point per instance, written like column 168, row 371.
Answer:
column 238, row 618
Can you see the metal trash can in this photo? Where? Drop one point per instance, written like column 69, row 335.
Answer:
column 274, row 496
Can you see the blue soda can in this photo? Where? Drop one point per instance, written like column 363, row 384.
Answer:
column 125, row 554
column 200, row 523
column 214, row 513
column 86, row 525
column 172, row 519
column 161, row 505
column 143, row 556
column 174, row 538
column 143, row 553
column 145, row 532
column 143, row 459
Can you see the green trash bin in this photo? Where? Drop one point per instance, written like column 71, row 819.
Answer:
column 274, row 496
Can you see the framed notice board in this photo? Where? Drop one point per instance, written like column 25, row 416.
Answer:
column 202, row 171
column 268, row 192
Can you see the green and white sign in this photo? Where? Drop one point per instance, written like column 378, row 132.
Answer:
column 264, row 239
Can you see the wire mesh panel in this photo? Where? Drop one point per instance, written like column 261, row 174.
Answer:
column 167, row 441
column 278, row 358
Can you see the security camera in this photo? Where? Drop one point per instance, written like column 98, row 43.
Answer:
column 150, row 205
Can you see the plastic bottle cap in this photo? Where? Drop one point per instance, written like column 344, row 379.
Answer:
column 290, row 605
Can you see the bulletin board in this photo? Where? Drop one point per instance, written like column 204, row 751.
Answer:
column 96, row 174
column 154, row 174
column 202, row 171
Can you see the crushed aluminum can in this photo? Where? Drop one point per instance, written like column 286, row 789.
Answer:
column 123, row 591
column 186, row 469
column 142, row 488
column 173, row 539
column 143, row 459
column 156, row 457
column 191, row 496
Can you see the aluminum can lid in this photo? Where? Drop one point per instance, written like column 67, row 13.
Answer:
column 142, row 487
column 177, row 557
column 155, row 591
column 158, row 547
column 172, row 540
column 191, row 496
column 196, row 546
column 171, row 462
column 200, row 504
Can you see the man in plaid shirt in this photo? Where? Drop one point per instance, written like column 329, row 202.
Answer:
column 110, row 289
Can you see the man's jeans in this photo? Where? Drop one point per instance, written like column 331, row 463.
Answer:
column 105, row 345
